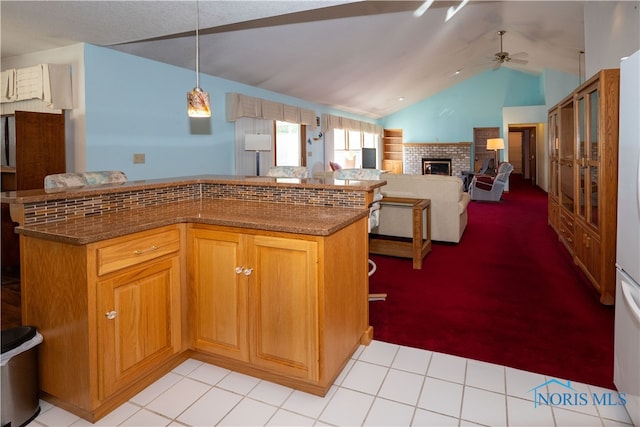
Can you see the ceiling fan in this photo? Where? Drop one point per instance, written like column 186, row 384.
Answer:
column 502, row 56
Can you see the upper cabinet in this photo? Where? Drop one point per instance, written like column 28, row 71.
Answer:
column 583, row 164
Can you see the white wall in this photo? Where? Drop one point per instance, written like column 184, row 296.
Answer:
column 612, row 31
column 74, row 119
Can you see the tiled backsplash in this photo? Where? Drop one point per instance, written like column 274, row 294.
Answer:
column 459, row 153
column 81, row 207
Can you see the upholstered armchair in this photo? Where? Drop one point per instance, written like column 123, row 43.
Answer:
column 288, row 172
column 490, row 189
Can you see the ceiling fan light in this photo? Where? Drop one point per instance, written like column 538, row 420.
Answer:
column 198, row 103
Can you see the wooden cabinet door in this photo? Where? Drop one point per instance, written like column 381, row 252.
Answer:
column 392, row 166
column 218, row 290
column 138, row 322
column 283, row 311
column 587, row 252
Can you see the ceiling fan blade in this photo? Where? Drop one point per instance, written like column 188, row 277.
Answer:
column 519, row 55
column 519, row 61
column 497, row 65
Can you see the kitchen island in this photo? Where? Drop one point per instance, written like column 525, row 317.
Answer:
column 265, row 276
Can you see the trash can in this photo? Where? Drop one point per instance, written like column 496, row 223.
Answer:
column 19, row 365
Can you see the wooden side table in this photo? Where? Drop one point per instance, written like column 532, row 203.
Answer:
column 418, row 247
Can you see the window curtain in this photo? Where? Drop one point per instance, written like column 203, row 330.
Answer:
column 291, row 114
column 331, row 122
column 271, row 110
column 239, row 105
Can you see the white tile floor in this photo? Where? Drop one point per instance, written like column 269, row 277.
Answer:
column 382, row 385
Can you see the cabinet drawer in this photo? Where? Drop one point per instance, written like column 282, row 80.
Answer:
column 136, row 249
column 566, row 227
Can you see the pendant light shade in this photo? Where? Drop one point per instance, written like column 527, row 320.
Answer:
column 198, row 100
column 198, row 103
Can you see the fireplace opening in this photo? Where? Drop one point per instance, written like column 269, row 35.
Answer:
column 436, row 166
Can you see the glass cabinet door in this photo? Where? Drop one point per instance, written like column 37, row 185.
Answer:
column 553, row 153
column 582, row 170
column 588, row 156
column 566, row 152
column 594, row 157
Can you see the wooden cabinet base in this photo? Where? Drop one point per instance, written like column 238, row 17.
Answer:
column 117, row 399
column 319, row 388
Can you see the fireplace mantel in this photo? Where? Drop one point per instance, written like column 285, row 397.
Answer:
column 458, row 152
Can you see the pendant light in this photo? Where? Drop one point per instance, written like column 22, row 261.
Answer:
column 198, row 100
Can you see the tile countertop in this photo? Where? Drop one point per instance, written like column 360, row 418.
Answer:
column 292, row 218
column 28, row 196
column 299, row 219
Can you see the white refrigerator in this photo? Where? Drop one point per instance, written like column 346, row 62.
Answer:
column 627, row 311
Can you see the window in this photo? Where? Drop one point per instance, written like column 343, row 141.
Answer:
column 288, row 144
column 348, row 144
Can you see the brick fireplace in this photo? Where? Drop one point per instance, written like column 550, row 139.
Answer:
column 458, row 152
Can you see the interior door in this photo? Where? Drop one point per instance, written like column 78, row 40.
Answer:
column 522, row 149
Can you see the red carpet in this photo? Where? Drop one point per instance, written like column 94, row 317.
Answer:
column 508, row 293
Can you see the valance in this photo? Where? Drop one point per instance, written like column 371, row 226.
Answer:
column 330, row 122
column 239, row 105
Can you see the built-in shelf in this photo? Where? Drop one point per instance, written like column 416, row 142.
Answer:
column 392, row 150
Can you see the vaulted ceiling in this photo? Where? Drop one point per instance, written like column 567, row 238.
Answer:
column 357, row 56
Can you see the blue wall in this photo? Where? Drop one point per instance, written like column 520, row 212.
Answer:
column 135, row 105
column 451, row 115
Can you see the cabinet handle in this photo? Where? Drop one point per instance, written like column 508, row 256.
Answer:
column 111, row 314
column 248, row 271
column 144, row 251
column 239, row 269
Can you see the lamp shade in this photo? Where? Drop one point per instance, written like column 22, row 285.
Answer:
column 198, row 103
column 495, row 144
column 257, row 142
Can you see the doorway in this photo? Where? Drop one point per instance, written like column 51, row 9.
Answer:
column 522, row 151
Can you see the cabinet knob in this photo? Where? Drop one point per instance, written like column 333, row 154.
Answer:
column 248, row 271
column 239, row 269
column 111, row 314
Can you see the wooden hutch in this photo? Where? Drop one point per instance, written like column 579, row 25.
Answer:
column 583, row 177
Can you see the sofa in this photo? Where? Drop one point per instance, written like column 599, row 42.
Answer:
column 449, row 204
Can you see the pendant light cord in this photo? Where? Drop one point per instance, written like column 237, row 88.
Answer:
column 197, row 44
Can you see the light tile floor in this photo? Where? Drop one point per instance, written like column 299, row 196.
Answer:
column 382, row 385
